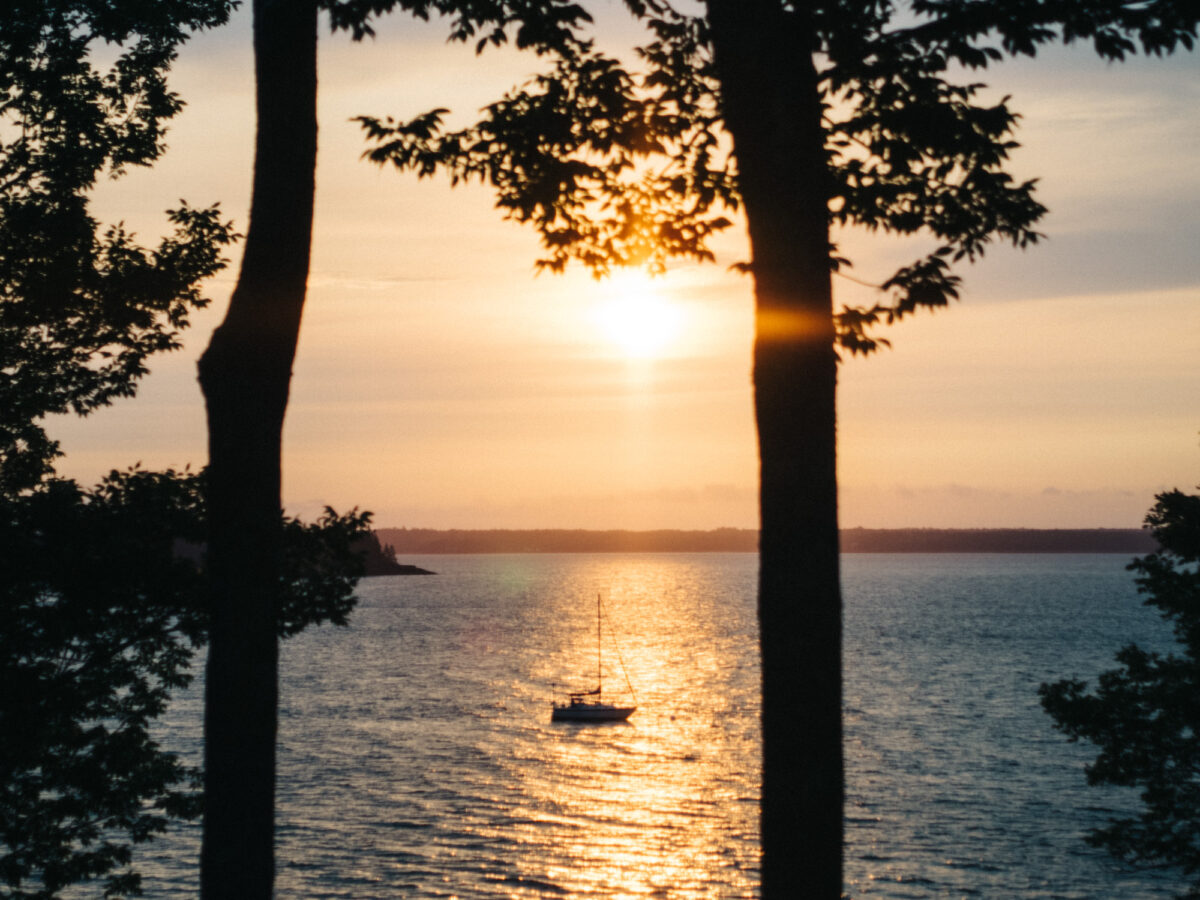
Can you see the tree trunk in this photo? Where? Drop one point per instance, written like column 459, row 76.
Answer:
column 772, row 109
column 245, row 374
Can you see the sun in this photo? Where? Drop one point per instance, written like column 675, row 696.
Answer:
column 638, row 322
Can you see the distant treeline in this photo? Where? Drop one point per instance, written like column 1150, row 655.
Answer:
column 997, row 540
column 743, row 540
column 554, row 540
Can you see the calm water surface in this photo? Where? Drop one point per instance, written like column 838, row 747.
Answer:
column 417, row 756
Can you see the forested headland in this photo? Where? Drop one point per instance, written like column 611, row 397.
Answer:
column 380, row 559
column 745, row 540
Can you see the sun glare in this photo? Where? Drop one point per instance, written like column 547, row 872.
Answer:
column 638, row 321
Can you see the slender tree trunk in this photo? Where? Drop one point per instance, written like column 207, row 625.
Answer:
column 773, row 112
column 245, row 374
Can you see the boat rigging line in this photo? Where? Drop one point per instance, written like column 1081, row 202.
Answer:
column 617, row 646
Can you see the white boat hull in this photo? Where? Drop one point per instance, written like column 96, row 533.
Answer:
column 590, row 712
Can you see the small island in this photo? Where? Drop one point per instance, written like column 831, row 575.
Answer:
column 380, row 559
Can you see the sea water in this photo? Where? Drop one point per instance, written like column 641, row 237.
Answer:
column 417, row 757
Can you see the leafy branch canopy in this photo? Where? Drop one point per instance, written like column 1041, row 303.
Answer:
column 82, row 307
column 617, row 165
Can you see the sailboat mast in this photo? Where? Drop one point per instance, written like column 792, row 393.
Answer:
column 599, row 661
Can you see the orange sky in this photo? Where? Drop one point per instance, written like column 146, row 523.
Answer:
column 441, row 384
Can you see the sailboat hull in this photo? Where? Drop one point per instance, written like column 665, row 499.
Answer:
column 590, row 712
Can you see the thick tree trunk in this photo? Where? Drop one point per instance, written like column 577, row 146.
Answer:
column 773, row 112
column 245, row 374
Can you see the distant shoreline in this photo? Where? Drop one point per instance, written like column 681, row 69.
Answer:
column 410, row 541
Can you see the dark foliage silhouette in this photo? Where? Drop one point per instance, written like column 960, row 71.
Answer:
column 103, row 602
column 1144, row 716
column 82, row 306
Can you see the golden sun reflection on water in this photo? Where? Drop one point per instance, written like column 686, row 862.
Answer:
column 659, row 805
column 418, row 759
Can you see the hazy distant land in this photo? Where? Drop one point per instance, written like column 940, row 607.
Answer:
column 743, row 540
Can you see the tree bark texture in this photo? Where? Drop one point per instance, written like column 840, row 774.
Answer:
column 245, row 375
column 772, row 109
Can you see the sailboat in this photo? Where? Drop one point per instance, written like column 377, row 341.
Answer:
column 589, row 706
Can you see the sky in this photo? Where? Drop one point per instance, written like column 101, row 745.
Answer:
column 441, row 383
